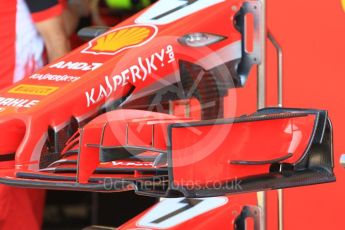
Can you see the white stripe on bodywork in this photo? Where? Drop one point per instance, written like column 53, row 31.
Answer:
column 169, row 208
column 169, row 11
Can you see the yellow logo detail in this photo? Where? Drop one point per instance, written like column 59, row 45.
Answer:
column 343, row 3
column 120, row 39
column 33, row 90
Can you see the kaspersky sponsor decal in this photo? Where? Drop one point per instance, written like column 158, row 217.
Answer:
column 17, row 102
column 137, row 72
column 54, row 77
column 120, row 39
column 38, row 90
column 83, row 66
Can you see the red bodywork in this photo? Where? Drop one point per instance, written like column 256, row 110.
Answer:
column 59, row 125
column 34, row 113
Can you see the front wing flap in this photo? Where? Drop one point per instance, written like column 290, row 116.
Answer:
column 166, row 156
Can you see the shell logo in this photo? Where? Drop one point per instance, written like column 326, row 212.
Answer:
column 343, row 4
column 121, row 39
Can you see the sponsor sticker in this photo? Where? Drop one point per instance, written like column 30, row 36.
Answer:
column 137, row 72
column 120, row 39
column 83, row 66
column 33, row 90
column 343, row 4
column 54, row 77
column 17, row 102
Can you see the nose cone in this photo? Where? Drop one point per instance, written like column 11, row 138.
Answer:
column 11, row 135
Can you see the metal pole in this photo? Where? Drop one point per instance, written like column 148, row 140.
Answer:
column 342, row 160
column 280, row 193
column 261, row 199
column 261, row 96
column 280, row 67
column 280, row 209
column 280, row 78
column 261, row 71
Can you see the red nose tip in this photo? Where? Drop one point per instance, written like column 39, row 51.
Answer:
column 11, row 135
